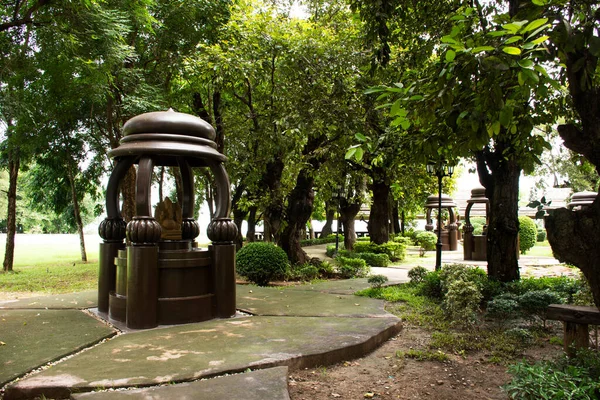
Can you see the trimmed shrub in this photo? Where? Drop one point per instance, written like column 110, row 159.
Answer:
column 374, row 259
column 352, row 267
column 326, row 239
column 261, row 262
column 541, row 235
column 417, row 274
column 331, row 249
column 402, row 239
column 536, row 302
column 426, row 240
column 376, row 281
column 477, row 223
column 395, row 250
column 527, row 234
column 431, row 286
column 503, row 308
column 564, row 286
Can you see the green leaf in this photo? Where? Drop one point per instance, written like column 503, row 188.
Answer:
column 515, row 51
column 495, row 128
column 506, row 115
column 541, row 39
column 540, row 214
column 482, row 48
column 513, row 39
column 375, row 89
column 539, row 2
column 358, row 155
column 395, row 108
column 405, row 124
column 350, row 153
column 595, row 46
column 534, row 24
column 521, row 78
column 498, row 33
column 416, row 97
column 541, row 70
column 512, row 27
column 450, row 55
column 360, row 137
column 527, row 64
column 448, row 39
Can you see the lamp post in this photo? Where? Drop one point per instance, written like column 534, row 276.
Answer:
column 337, row 231
column 440, row 169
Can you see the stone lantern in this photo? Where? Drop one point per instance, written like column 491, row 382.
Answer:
column 475, row 246
column 160, row 276
column 449, row 233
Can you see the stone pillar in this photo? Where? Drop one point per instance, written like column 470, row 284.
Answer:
column 112, row 231
column 142, row 256
column 468, row 241
column 222, row 232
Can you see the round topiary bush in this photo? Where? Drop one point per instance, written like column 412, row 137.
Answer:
column 527, row 234
column 426, row 240
column 261, row 262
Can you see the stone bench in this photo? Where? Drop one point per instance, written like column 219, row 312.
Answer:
column 575, row 322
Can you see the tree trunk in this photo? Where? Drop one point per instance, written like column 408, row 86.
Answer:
column 128, row 193
column 299, row 210
column 251, row 234
column 329, row 215
column 271, row 181
column 396, row 219
column 575, row 239
column 403, row 224
column 502, row 189
column 238, row 214
column 77, row 213
column 348, row 212
column 380, row 205
column 161, row 179
column 14, row 162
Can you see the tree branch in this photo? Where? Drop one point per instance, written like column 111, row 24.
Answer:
column 26, row 18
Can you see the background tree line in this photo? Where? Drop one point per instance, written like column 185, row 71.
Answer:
column 356, row 94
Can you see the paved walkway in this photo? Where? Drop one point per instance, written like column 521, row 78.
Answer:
column 294, row 327
column 82, row 357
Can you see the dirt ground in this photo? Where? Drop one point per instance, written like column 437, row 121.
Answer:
column 384, row 375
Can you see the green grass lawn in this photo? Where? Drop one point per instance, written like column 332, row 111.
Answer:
column 541, row 249
column 50, row 264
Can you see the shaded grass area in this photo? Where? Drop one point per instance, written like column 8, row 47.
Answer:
column 51, row 278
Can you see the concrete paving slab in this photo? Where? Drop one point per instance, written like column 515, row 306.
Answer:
column 265, row 384
column 274, row 301
column 31, row 338
column 342, row 286
column 193, row 351
column 79, row 300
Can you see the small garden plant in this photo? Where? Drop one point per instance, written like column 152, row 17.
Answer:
column 465, row 312
column 261, row 262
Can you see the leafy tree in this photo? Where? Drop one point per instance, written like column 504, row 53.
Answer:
column 575, row 236
column 481, row 96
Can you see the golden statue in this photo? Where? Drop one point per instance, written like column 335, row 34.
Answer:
column 168, row 215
